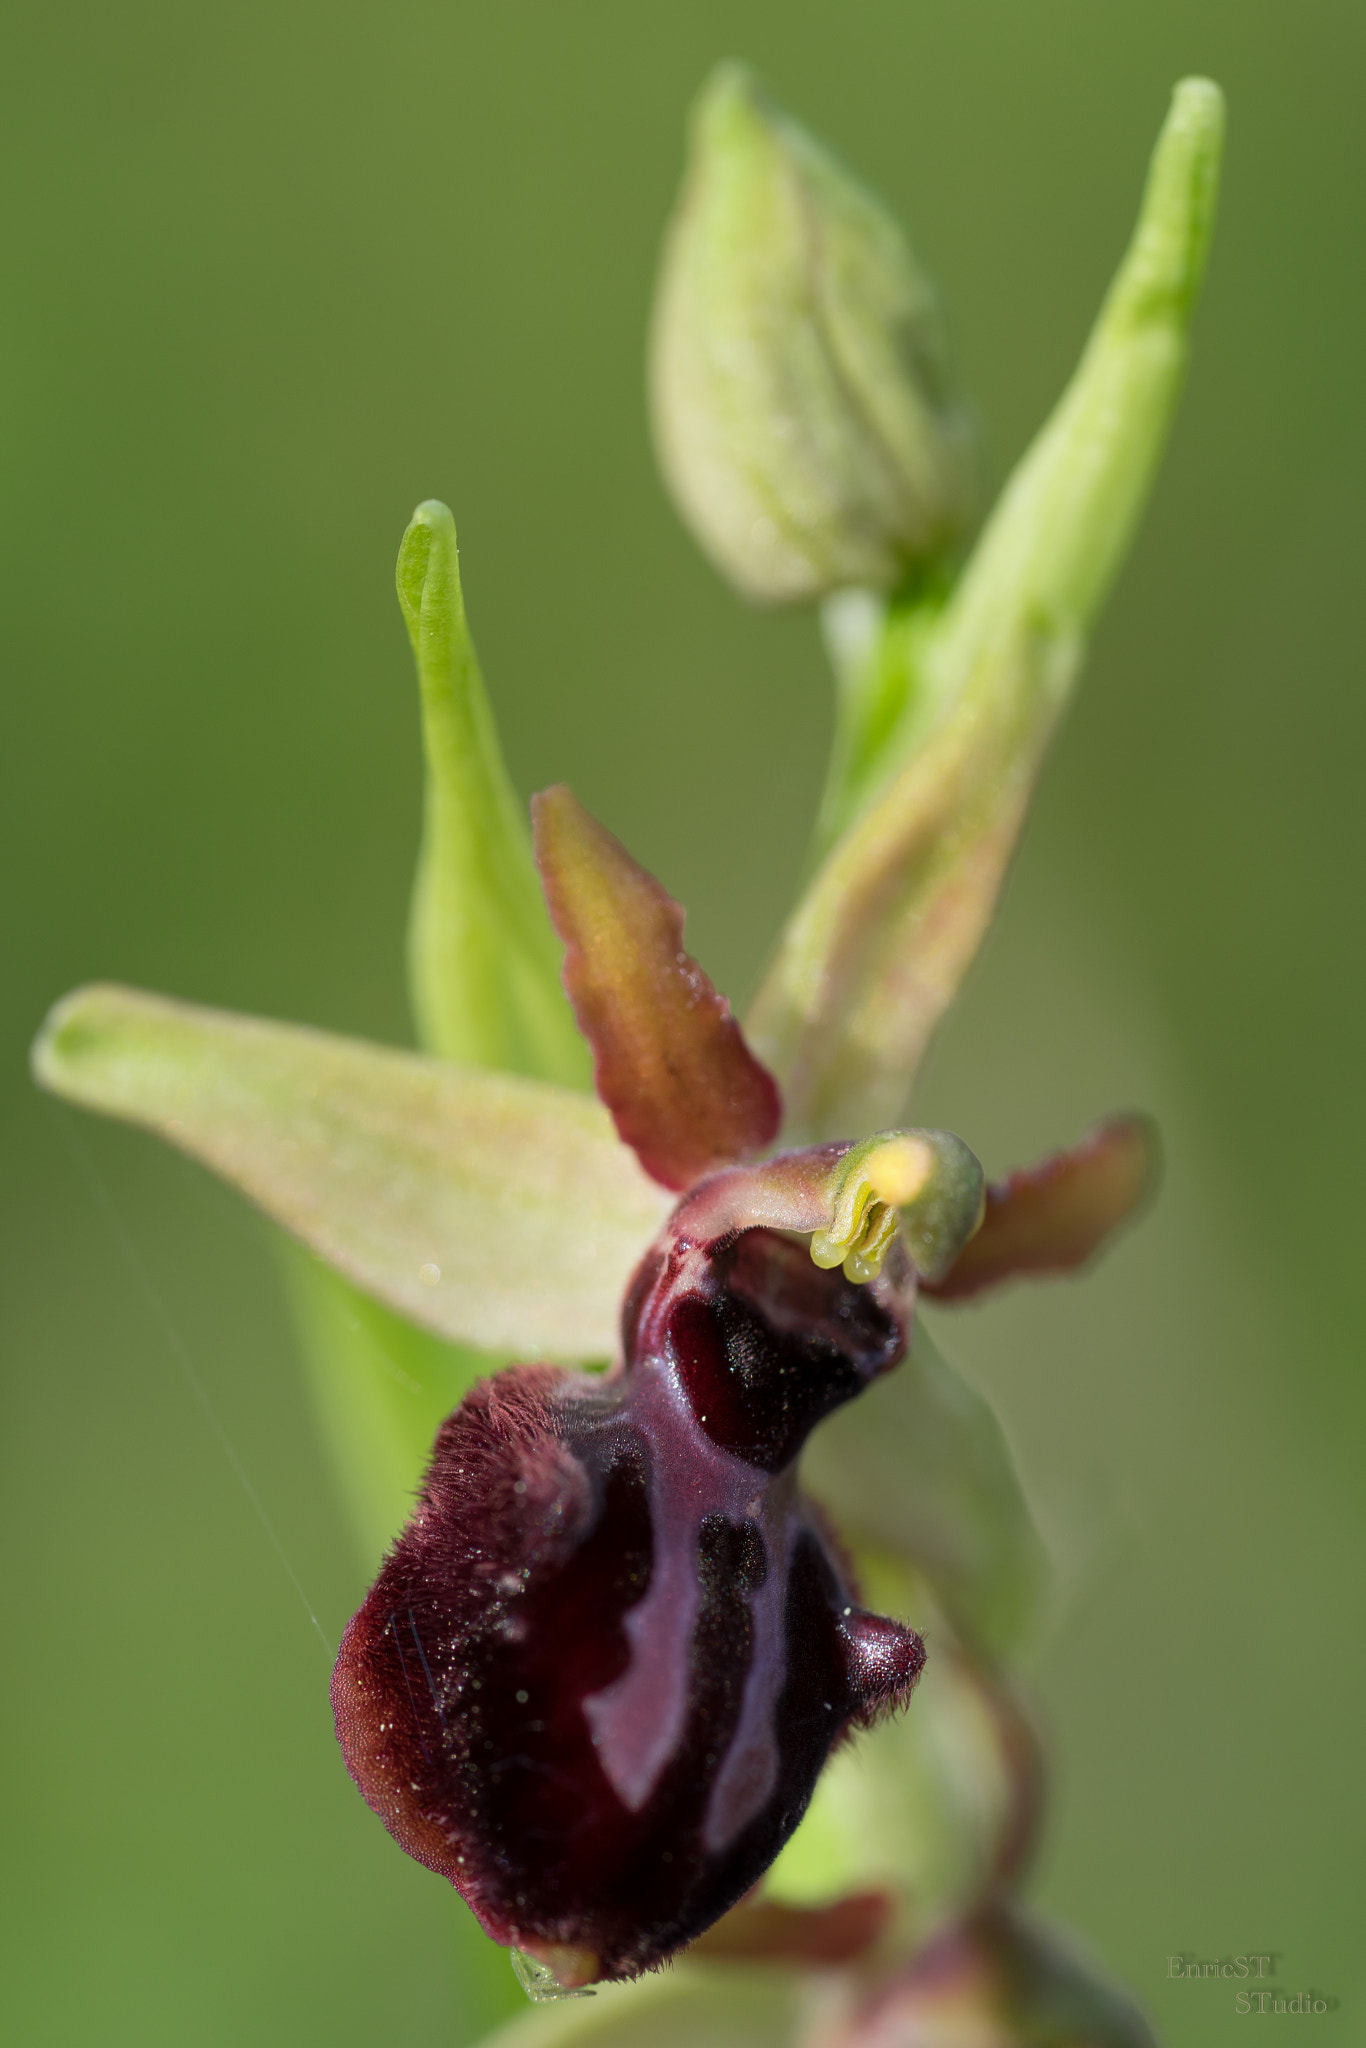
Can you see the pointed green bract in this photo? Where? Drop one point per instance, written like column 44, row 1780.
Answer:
column 879, row 944
column 493, row 1210
column 484, row 964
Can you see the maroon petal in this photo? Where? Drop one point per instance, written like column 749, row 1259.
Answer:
column 601, row 1670
column 1053, row 1217
column 669, row 1059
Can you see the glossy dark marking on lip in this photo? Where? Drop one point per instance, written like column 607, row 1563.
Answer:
column 767, row 1346
column 600, row 1671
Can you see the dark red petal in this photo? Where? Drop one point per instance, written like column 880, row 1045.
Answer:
column 1053, row 1217
column 669, row 1060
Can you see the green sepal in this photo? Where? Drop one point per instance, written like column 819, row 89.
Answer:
column 483, row 961
column 495, row 1211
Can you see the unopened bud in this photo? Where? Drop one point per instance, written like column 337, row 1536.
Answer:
column 802, row 410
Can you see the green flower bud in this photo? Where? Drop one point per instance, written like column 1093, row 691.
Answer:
column 803, row 415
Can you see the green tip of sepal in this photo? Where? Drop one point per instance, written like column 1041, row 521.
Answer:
column 728, row 107
column 428, row 550
column 53, row 1057
column 484, row 963
column 1166, row 265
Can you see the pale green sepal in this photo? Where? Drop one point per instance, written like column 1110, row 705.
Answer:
column 930, row 1805
column 498, row 1212
column 879, row 944
column 690, row 2005
column 918, row 1468
column 484, row 963
column 800, row 394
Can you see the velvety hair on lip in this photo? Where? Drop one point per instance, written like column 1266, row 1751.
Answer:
column 598, row 1675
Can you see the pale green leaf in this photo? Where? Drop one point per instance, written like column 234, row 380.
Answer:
column 496, row 1211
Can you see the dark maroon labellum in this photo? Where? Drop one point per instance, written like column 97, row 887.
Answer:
column 598, row 1675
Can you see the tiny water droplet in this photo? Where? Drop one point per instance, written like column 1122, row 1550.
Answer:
column 539, row 1983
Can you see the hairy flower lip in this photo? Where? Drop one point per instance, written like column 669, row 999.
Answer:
column 597, row 1677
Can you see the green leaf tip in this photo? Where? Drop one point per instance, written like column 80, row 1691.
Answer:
column 878, row 946
column 484, row 963
column 432, row 526
column 1172, row 246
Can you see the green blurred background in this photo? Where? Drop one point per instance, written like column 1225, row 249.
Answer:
column 274, row 273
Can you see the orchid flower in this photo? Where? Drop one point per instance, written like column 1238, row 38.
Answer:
column 649, row 1362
